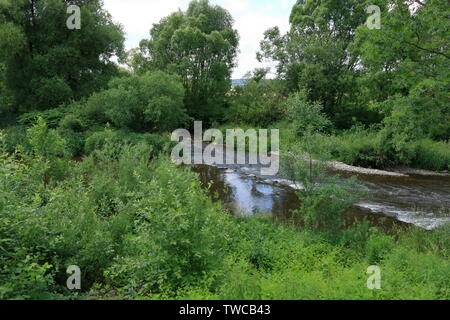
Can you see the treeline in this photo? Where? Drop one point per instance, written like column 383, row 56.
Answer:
column 384, row 91
column 182, row 71
column 67, row 77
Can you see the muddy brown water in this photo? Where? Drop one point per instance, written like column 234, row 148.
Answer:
column 423, row 201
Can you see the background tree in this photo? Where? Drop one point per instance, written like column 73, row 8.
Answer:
column 46, row 63
column 5, row 96
column 315, row 54
column 200, row 45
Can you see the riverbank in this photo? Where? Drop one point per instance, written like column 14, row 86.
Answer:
column 367, row 149
column 362, row 151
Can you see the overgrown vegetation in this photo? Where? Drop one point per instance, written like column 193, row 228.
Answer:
column 139, row 227
column 85, row 177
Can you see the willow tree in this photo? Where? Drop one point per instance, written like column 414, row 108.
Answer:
column 46, row 63
column 199, row 45
column 314, row 55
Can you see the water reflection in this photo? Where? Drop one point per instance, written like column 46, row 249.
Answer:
column 244, row 195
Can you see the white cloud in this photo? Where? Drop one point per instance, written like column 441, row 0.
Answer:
column 252, row 18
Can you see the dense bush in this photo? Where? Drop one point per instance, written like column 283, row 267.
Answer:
column 371, row 148
column 358, row 147
column 51, row 117
column 306, row 116
column 432, row 155
column 258, row 103
column 118, row 138
column 97, row 213
column 179, row 236
column 74, row 142
column 152, row 102
column 17, row 135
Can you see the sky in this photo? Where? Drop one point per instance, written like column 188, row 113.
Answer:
column 252, row 18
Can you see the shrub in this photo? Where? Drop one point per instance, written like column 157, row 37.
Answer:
column 118, row 138
column 152, row 102
column 52, row 117
column 74, row 142
column 72, row 122
column 323, row 197
column 257, row 103
column 306, row 116
column 377, row 247
column 180, row 234
column 381, row 149
column 15, row 136
column 97, row 140
column 358, row 147
column 45, row 142
column 26, row 279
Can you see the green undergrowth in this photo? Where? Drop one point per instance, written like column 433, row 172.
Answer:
column 141, row 228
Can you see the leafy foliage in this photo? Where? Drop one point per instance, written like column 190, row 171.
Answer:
column 46, row 63
column 259, row 103
column 314, row 55
column 306, row 117
column 200, row 46
column 151, row 102
column 140, row 227
column 406, row 66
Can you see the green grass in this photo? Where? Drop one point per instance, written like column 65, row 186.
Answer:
column 279, row 262
column 366, row 148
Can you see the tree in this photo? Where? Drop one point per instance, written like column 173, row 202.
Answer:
column 5, row 95
column 315, row 54
column 258, row 102
column 46, row 63
column 405, row 68
column 200, row 45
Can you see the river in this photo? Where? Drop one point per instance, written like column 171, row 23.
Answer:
column 419, row 200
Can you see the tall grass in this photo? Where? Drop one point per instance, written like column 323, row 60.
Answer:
column 370, row 149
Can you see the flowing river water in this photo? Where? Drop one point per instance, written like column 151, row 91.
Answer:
column 391, row 200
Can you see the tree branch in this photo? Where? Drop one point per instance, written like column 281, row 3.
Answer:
column 427, row 50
